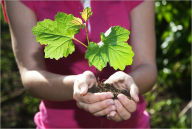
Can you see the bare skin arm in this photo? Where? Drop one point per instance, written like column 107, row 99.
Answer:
column 29, row 57
column 144, row 71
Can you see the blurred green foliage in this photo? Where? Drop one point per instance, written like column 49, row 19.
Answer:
column 173, row 88
column 164, row 102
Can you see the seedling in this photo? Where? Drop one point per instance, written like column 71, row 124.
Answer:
column 58, row 36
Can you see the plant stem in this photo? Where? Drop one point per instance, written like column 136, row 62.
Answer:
column 80, row 42
column 86, row 33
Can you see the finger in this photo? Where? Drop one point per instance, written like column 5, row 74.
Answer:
column 79, row 82
column 111, row 79
column 96, row 107
column 114, row 116
column 76, row 90
column 116, row 85
column 78, row 105
column 83, row 89
column 118, row 76
column 83, row 86
column 128, row 104
column 89, row 74
column 82, row 83
column 122, row 111
column 120, row 86
column 90, row 77
column 134, row 92
column 111, row 114
column 105, row 111
column 88, row 84
column 108, row 117
column 107, row 81
column 95, row 97
column 92, row 84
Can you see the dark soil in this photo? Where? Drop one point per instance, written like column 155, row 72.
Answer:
column 108, row 88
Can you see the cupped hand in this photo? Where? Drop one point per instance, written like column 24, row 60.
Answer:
column 99, row 104
column 124, row 105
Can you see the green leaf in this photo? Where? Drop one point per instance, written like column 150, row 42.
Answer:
column 86, row 14
column 77, row 21
column 96, row 55
column 112, row 49
column 57, row 35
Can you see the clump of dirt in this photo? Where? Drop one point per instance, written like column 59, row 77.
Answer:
column 108, row 88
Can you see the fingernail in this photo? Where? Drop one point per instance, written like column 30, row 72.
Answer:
column 121, row 97
column 112, row 114
column 109, row 102
column 110, row 95
column 116, row 103
column 137, row 99
column 113, row 108
column 108, row 117
column 83, row 89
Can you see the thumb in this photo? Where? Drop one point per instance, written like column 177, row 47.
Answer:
column 134, row 92
column 83, row 90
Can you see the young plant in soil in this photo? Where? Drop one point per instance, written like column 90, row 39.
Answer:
column 58, row 36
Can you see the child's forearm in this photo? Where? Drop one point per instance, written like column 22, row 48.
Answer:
column 48, row 86
column 30, row 57
column 145, row 76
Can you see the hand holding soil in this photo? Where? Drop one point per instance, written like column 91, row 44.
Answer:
column 125, row 84
column 120, row 84
column 104, row 103
column 124, row 105
column 99, row 104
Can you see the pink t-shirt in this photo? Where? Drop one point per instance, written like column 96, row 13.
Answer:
column 67, row 114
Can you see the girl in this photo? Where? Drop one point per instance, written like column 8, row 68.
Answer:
column 62, row 85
